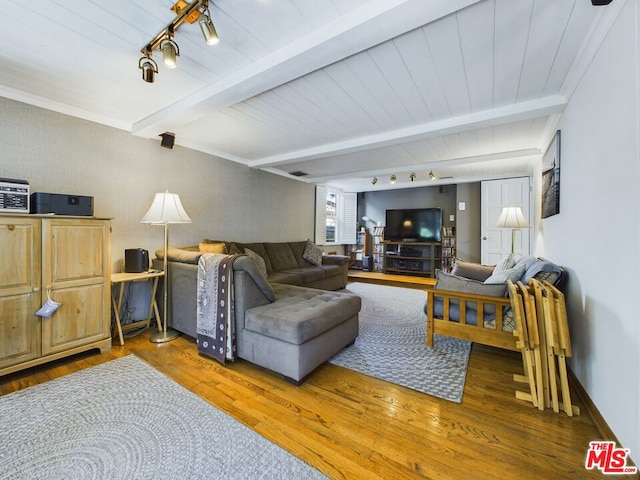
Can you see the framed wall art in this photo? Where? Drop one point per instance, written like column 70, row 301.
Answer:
column 551, row 178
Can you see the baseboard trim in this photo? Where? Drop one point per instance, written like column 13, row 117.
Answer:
column 597, row 418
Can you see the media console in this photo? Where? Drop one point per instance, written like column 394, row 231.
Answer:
column 411, row 258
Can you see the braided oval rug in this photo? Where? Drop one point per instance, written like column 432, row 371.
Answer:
column 391, row 344
column 125, row 420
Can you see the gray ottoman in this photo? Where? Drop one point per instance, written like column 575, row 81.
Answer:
column 300, row 330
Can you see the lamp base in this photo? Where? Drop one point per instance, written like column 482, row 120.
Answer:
column 162, row 337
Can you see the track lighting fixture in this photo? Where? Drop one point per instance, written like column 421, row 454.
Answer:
column 374, row 180
column 392, row 179
column 208, row 30
column 170, row 51
column 164, row 39
column 149, row 68
column 432, row 176
column 413, row 176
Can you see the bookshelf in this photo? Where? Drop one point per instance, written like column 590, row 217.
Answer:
column 359, row 250
column 448, row 247
column 378, row 249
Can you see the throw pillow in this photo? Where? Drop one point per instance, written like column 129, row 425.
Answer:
column 452, row 283
column 212, row 248
column 312, row 253
column 514, row 274
column 505, row 263
column 258, row 259
column 474, row 271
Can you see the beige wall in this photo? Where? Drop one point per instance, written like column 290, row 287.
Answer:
column 56, row 153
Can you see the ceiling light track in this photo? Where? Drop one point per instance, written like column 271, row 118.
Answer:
column 164, row 39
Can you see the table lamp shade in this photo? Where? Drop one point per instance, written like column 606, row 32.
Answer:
column 512, row 217
column 166, row 208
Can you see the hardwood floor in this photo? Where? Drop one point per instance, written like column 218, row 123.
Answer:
column 351, row 426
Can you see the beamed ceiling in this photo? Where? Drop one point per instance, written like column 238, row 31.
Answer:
column 340, row 90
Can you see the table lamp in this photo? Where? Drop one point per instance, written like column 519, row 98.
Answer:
column 165, row 209
column 513, row 218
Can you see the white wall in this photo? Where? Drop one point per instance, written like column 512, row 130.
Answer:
column 597, row 233
column 61, row 154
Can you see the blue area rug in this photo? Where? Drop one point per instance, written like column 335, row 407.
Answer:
column 391, row 344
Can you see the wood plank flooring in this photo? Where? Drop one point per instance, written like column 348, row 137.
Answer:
column 350, row 426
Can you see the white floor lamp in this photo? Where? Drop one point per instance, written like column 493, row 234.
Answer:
column 165, row 209
column 513, row 218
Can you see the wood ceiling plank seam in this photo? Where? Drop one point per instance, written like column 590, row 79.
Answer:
column 465, row 74
column 469, row 143
column 261, row 133
column 444, row 45
column 306, row 88
column 369, row 110
column 475, row 30
column 336, row 93
column 555, row 64
column 285, row 17
column 485, row 139
column 526, row 48
column 454, row 145
column 502, row 133
column 375, row 91
column 510, row 43
column 277, row 128
column 393, row 69
column 548, row 26
column 304, row 117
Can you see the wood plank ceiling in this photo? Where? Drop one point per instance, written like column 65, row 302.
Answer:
column 342, row 90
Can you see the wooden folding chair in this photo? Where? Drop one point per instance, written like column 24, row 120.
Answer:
column 521, row 333
column 558, row 310
column 535, row 342
column 547, row 358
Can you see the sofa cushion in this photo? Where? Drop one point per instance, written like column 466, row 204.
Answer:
column 183, row 255
column 474, row 271
column 313, row 253
column 514, row 274
column 506, row 262
column 298, row 252
column 300, row 314
column 447, row 281
column 281, row 256
column 256, row 247
column 259, row 261
column 288, row 277
column 247, row 264
column 207, row 247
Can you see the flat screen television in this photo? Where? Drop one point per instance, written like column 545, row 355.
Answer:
column 413, row 225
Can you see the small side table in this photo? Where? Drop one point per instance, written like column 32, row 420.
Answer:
column 123, row 279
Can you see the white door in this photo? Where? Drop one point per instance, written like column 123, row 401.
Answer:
column 495, row 194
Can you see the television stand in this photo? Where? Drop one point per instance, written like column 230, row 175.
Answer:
column 421, row 259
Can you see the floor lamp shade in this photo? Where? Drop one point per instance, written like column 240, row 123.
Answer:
column 165, row 209
column 513, row 218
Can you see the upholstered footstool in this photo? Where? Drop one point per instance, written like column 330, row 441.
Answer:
column 300, row 330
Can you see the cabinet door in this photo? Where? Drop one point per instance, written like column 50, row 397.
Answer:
column 76, row 271
column 19, row 290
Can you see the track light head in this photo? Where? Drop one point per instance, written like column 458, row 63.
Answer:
column 208, row 30
column 149, row 68
column 374, row 180
column 413, row 176
column 432, row 176
column 170, row 51
column 392, row 179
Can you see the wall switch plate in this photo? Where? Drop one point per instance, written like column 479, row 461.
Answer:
column 452, row 218
column 461, row 206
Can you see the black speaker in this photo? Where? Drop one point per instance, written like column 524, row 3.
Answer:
column 168, row 139
column 367, row 263
column 600, row 2
column 136, row 260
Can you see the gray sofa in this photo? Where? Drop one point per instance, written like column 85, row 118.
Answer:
column 285, row 263
column 289, row 329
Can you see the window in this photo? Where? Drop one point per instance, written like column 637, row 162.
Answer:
column 335, row 216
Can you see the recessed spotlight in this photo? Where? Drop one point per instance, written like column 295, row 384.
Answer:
column 432, row 176
column 374, row 180
column 392, row 179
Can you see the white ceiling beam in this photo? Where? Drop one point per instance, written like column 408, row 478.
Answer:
column 365, row 27
column 486, row 118
column 527, row 154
